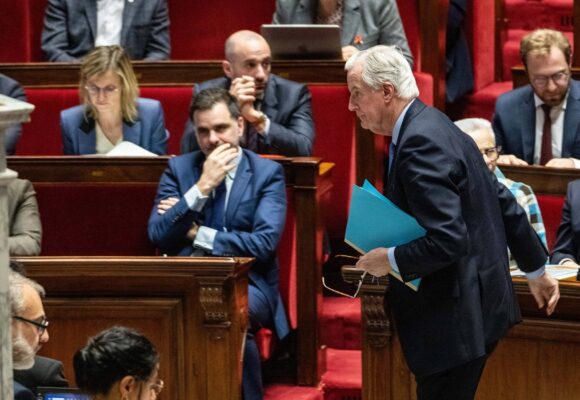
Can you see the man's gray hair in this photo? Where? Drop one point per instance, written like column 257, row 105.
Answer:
column 469, row 125
column 16, row 283
column 382, row 64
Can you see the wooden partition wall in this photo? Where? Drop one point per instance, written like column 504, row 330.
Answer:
column 307, row 178
column 193, row 309
column 537, row 360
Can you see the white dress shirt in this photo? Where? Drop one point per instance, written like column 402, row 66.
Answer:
column 109, row 22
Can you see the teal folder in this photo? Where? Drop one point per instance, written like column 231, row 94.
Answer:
column 375, row 221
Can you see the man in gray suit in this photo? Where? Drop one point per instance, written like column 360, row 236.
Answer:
column 73, row 27
column 364, row 23
column 9, row 87
column 277, row 112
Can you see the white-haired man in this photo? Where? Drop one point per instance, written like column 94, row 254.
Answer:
column 465, row 302
column 29, row 326
column 481, row 131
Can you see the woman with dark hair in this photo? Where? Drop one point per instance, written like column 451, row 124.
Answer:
column 118, row 363
column 111, row 110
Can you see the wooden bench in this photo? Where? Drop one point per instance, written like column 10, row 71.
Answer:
column 100, row 206
column 193, row 309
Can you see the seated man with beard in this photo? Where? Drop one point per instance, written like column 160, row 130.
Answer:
column 28, row 326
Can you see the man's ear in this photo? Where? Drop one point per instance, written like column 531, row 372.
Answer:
column 126, row 384
column 388, row 92
column 227, row 67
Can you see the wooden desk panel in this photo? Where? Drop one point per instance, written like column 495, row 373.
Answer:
column 193, row 309
column 537, row 360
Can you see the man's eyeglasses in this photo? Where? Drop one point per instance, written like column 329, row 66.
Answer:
column 558, row 78
column 492, row 153
column 358, row 286
column 40, row 325
column 95, row 91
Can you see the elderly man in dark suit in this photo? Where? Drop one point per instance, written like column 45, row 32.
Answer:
column 277, row 111
column 225, row 201
column 465, row 302
column 73, row 27
column 567, row 248
column 540, row 123
column 9, row 87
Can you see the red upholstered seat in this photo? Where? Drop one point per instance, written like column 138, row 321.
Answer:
column 14, row 31
column 341, row 323
column 551, row 207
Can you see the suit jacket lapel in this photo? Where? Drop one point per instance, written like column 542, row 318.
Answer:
column 129, row 12
column 571, row 120
column 132, row 132
column 91, row 11
column 351, row 20
column 528, row 133
column 270, row 102
column 244, row 174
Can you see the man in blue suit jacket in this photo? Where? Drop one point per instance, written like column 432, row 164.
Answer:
column 277, row 111
column 225, row 201
column 567, row 248
column 520, row 119
column 73, row 27
column 465, row 302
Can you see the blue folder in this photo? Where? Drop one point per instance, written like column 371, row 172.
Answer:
column 375, row 221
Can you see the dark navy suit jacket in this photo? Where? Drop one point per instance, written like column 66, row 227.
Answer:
column 288, row 106
column 465, row 300
column 70, row 29
column 568, row 239
column 46, row 372
column 514, row 123
column 254, row 219
column 22, row 393
column 148, row 131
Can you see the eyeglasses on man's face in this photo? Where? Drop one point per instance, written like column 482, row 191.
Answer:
column 40, row 325
column 559, row 78
column 96, row 91
column 492, row 153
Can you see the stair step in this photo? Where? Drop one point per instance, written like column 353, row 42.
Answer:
column 343, row 377
column 287, row 392
column 341, row 323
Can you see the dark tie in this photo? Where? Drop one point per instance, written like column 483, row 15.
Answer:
column 546, row 153
column 216, row 218
column 391, row 155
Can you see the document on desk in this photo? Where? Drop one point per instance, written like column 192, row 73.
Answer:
column 375, row 221
column 557, row 271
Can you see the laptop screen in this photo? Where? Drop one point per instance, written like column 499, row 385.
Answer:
column 303, row 42
column 50, row 393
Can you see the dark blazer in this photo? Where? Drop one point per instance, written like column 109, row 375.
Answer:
column 22, row 393
column 374, row 21
column 568, row 239
column 9, row 87
column 70, row 29
column 465, row 300
column 25, row 229
column 514, row 123
column 254, row 219
column 46, row 372
column 148, row 131
column 288, row 106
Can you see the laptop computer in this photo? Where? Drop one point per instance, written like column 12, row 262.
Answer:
column 56, row 393
column 303, row 42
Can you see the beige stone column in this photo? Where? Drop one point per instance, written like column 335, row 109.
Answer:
column 11, row 112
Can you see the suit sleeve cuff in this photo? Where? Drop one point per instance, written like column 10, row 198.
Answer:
column 536, row 274
column 194, row 199
column 392, row 260
column 205, row 238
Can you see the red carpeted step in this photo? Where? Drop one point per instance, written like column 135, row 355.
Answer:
column 341, row 323
column 343, row 377
column 287, row 392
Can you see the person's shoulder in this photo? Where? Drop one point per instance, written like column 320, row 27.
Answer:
column 73, row 113
column 286, row 83
column 515, row 95
column 148, row 104
column 185, row 161
column 574, row 188
column 222, row 82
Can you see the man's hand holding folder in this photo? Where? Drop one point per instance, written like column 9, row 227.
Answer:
column 375, row 224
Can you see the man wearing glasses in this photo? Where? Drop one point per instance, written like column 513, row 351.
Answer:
column 481, row 132
column 538, row 123
column 29, row 325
